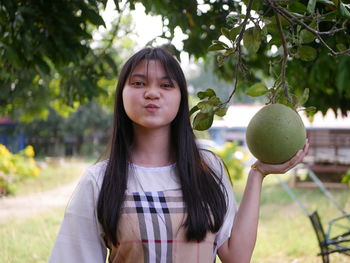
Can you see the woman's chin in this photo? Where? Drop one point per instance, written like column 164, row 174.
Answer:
column 152, row 125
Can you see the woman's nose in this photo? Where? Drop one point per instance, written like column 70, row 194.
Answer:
column 152, row 92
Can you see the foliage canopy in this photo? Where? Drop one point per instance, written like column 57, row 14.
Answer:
column 47, row 58
column 284, row 48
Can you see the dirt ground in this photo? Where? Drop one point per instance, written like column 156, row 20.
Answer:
column 25, row 206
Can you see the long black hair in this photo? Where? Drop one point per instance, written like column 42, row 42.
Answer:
column 202, row 189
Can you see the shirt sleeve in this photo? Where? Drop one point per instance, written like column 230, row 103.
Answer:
column 80, row 235
column 226, row 228
column 217, row 165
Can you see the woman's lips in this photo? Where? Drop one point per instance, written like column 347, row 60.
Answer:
column 151, row 107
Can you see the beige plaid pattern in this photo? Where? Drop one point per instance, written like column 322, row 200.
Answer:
column 151, row 230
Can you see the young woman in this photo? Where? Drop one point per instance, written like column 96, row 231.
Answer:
column 157, row 197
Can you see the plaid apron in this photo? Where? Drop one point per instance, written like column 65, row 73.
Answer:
column 150, row 230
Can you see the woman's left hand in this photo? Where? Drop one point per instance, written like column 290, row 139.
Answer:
column 266, row 168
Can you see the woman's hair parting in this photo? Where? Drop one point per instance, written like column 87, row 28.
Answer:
column 203, row 192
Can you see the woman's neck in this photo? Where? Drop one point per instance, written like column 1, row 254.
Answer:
column 152, row 147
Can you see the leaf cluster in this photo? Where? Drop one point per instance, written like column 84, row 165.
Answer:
column 47, row 57
column 209, row 106
column 87, row 119
column 46, row 54
column 288, row 41
column 288, row 48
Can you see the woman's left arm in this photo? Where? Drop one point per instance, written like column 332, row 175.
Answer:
column 240, row 245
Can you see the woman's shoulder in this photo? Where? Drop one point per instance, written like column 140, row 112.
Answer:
column 210, row 157
column 98, row 167
column 96, row 172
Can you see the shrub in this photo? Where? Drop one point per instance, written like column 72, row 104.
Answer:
column 346, row 178
column 234, row 158
column 16, row 167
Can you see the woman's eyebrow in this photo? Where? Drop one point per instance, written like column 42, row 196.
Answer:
column 138, row 75
column 135, row 75
column 167, row 78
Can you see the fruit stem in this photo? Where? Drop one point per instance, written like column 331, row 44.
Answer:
column 238, row 49
column 282, row 78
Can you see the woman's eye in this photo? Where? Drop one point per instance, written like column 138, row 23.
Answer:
column 167, row 85
column 138, row 83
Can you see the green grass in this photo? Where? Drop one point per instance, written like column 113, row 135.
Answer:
column 52, row 176
column 285, row 234
column 29, row 240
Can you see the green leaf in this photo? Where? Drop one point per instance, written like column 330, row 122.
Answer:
column 214, row 101
column 221, row 111
column 297, row 7
column 303, row 99
column 310, row 109
column 341, row 47
column 208, row 93
column 220, row 43
column 234, row 32
column 255, row 5
column 220, row 59
column 42, row 66
column 28, row 11
column 313, row 24
column 205, row 106
column 194, row 109
column 330, row 16
column 306, row 36
column 11, row 55
column 111, row 63
column 94, row 17
column 201, row 95
column 257, row 90
column 343, row 10
column 116, row 2
column 307, row 53
column 293, row 101
column 276, row 40
column 203, row 121
column 311, row 6
column 232, row 19
column 252, row 39
column 343, row 76
column 216, row 47
column 226, row 32
column 328, row 2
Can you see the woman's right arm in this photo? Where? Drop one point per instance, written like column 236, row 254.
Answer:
column 239, row 247
column 79, row 238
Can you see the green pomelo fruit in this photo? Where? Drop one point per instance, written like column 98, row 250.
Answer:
column 275, row 134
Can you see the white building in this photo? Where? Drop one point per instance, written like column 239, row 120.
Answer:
column 329, row 136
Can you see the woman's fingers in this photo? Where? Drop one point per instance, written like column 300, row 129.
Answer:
column 306, row 147
column 285, row 167
column 296, row 159
column 299, row 156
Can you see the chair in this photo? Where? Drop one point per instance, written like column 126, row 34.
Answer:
column 330, row 244
column 330, row 241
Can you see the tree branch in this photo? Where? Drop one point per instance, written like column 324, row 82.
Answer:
column 244, row 23
column 284, row 61
column 238, row 49
column 292, row 19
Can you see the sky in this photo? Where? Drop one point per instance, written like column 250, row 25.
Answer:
column 146, row 28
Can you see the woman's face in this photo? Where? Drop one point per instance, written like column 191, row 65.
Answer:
column 150, row 98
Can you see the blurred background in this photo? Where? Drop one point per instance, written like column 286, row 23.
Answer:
column 59, row 64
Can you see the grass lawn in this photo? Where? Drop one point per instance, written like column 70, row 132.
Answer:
column 285, row 233
column 52, row 176
column 29, row 240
